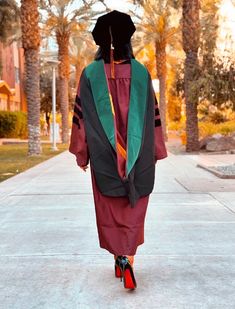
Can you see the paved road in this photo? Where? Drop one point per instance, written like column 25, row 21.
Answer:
column 50, row 257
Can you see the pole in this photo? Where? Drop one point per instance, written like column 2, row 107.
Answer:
column 54, row 108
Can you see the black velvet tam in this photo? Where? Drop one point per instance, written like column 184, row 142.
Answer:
column 121, row 25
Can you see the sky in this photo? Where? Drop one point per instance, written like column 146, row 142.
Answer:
column 226, row 35
column 120, row 5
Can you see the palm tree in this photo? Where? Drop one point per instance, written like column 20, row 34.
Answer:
column 81, row 54
column 155, row 26
column 31, row 43
column 9, row 21
column 208, row 47
column 191, row 41
column 209, row 30
column 63, row 21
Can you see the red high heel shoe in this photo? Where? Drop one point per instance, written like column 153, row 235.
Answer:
column 118, row 273
column 117, row 270
column 124, row 269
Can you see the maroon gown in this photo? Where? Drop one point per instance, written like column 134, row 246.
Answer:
column 120, row 227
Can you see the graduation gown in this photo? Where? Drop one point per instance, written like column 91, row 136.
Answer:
column 120, row 226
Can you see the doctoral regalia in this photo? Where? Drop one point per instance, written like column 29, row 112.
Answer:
column 102, row 139
column 117, row 128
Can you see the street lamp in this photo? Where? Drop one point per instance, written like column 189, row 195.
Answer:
column 53, row 63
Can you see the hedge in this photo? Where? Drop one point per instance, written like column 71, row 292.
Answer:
column 13, row 124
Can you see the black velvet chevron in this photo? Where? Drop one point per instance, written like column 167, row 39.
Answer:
column 76, row 121
column 77, row 100
column 78, row 112
column 157, row 111
column 158, row 122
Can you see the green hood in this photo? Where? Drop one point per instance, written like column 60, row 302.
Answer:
column 95, row 72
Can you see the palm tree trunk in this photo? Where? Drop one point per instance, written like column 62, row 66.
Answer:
column 33, row 100
column 161, row 73
column 162, row 104
column 77, row 72
column 191, row 40
column 1, row 66
column 31, row 44
column 64, row 107
column 63, row 51
column 191, row 101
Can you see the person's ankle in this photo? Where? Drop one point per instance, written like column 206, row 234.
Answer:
column 130, row 258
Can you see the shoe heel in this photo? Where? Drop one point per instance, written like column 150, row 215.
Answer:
column 129, row 279
column 118, row 273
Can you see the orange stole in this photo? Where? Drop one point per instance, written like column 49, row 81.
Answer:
column 121, row 151
column 120, row 148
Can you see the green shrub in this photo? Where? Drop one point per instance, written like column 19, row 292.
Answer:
column 13, row 124
column 210, row 128
column 177, row 125
column 217, row 117
column 206, row 128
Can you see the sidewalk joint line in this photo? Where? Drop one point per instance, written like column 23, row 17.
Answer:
column 222, row 203
column 108, row 256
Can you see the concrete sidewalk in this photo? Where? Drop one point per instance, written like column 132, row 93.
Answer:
column 50, row 256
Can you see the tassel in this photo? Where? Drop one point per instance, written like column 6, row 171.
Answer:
column 111, row 55
column 112, row 63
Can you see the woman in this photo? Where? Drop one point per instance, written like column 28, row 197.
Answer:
column 117, row 127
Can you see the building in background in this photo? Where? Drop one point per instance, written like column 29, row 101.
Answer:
column 12, row 96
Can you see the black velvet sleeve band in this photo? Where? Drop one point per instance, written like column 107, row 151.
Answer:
column 158, row 122
column 76, row 121
column 78, row 112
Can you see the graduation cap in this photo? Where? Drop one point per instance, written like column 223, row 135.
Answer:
column 122, row 29
column 113, row 29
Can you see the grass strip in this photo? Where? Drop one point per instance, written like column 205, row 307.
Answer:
column 14, row 158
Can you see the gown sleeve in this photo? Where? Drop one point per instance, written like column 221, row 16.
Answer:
column 78, row 144
column 160, row 147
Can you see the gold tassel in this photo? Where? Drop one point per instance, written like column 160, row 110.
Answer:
column 112, row 63
column 111, row 54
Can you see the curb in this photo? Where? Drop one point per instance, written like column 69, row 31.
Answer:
column 215, row 172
